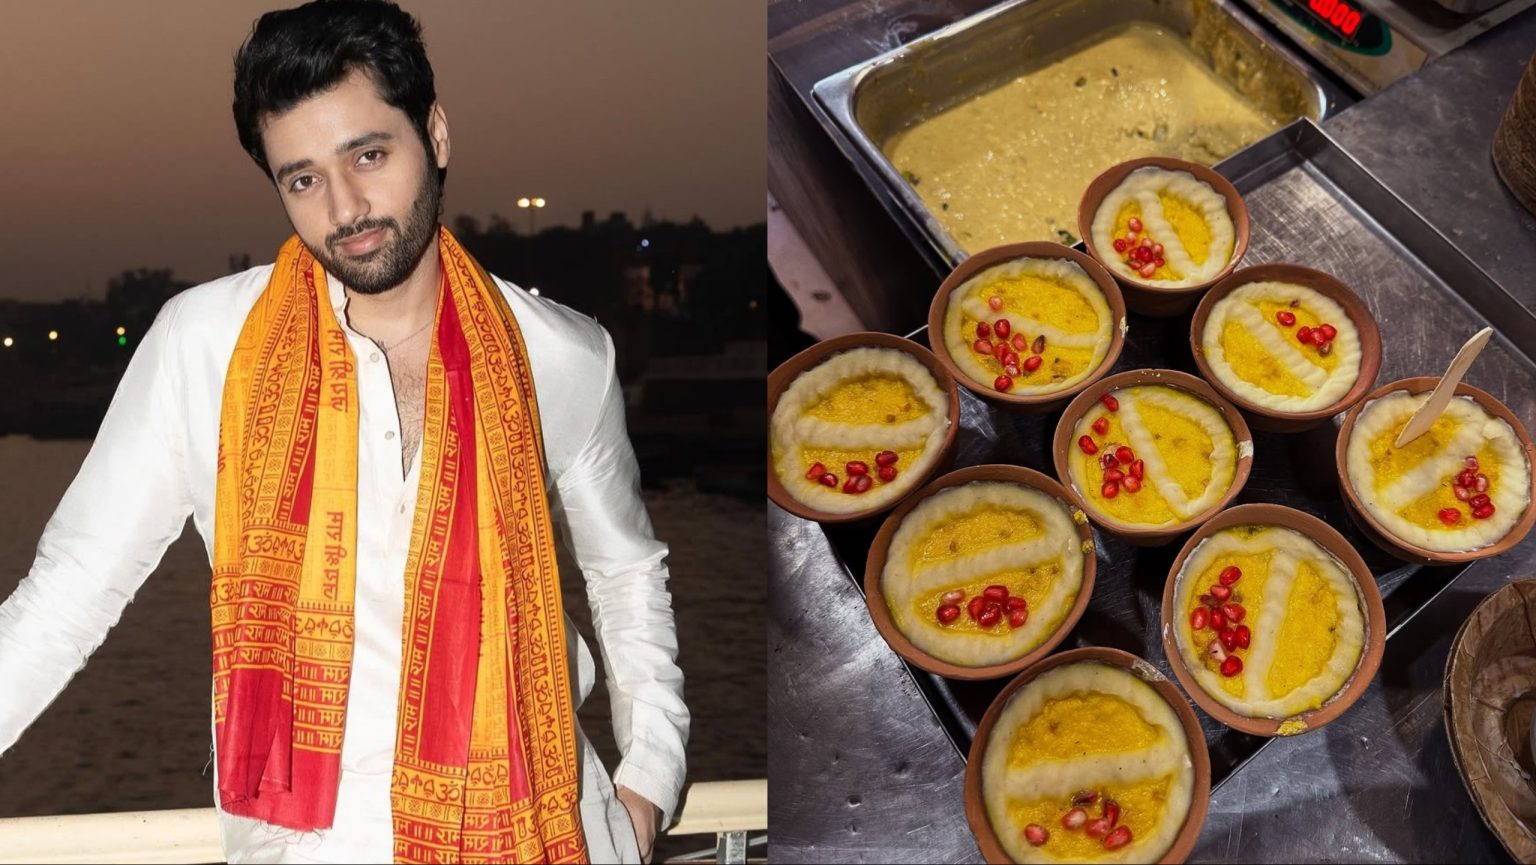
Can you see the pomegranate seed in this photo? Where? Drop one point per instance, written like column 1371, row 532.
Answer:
column 1328, row 332
column 954, row 596
column 1108, row 461
column 1118, row 838
column 1033, row 362
column 851, row 486
column 1233, row 612
column 1157, row 250
column 1139, row 469
column 1130, row 238
column 1158, row 261
column 1038, row 346
column 1478, row 500
column 1143, row 253
column 1110, row 402
column 1480, row 483
column 1231, row 666
column 1466, row 478
column 981, row 346
column 1101, row 426
column 1218, row 619
column 829, row 480
column 991, row 614
column 858, row 468
column 1074, row 818
column 948, row 613
column 1208, row 601
column 1199, row 619
column 1214, row 649
column 1010, row 359
column 1295, row 304
column 1097, row 828
column 1012, row 370
column 1325, row 348
column 1221, row 593
column 1019, row 343
column 995, row 593
column 1147, row 270
column 1304, row 334
column 1146, row 243
column 1035, row 834
column 983, row 330
column 1002, row 382
column 1462, row 493
column 1472, row 463
column 1002, row 327
column 1085, row 797
column 862, row 483
column 1230, row 574
column 817, row 470
column 976, row 606
column 1134, row 224
column 1244, row 636
column 1109, row 490
column 1111, row 811
column 886, row 458
column 995, row 302
column 1285, row 317
column 1228, row 638
column 1114, row 475
column 887, row 473
column 1016, row 603
column 999, row 350
column 1087, row 445
column 1131, row 484
column 1484, row 512
column 1017, row 618
column 1120, row 244
column 1125, row 455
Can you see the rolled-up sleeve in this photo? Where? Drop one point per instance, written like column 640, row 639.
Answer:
column 126, row 506
column 626, row 576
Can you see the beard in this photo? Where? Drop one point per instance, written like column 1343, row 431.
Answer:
column 396, row 258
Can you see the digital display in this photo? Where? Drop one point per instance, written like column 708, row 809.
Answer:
column 1341, row 18
column 1347, row 25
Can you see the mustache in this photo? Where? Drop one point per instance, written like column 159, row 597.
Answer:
column 359, row 227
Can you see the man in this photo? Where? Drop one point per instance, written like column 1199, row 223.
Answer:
column 375, row 440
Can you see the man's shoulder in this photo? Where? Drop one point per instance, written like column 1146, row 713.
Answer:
column 224, row 301
column 553, row 330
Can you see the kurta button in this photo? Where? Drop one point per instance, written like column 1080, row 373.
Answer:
column 390, row 434
column 374, row 357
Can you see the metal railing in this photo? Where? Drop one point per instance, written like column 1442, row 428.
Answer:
column 725, row 809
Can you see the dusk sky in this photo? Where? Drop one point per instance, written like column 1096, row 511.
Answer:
column 117, row 148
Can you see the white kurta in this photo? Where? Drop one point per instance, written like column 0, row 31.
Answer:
column 153, row 463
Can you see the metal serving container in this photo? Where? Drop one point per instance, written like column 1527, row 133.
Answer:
column 869, row 103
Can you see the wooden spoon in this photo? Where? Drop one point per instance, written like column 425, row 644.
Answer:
column 1425, row 417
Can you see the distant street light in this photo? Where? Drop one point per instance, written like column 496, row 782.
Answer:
column 9, row 342
column 121, row 331
column 53, row 335
column 534, row 292
column 532, row 205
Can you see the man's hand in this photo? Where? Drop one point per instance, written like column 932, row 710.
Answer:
column 645, row 817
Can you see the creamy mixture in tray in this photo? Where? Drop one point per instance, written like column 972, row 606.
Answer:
column 1011, row 164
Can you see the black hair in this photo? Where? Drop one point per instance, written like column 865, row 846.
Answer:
column 293, row 54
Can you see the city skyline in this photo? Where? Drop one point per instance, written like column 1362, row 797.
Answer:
column 129, row 159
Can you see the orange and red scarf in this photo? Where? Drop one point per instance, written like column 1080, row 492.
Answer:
column 486, row 765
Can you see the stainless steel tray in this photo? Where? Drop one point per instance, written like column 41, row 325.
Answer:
column 1310, row 204
column 863, row 105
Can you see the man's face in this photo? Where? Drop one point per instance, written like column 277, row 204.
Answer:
column 359, row 187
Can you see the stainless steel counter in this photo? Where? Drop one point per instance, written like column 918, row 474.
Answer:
column 861, row 769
